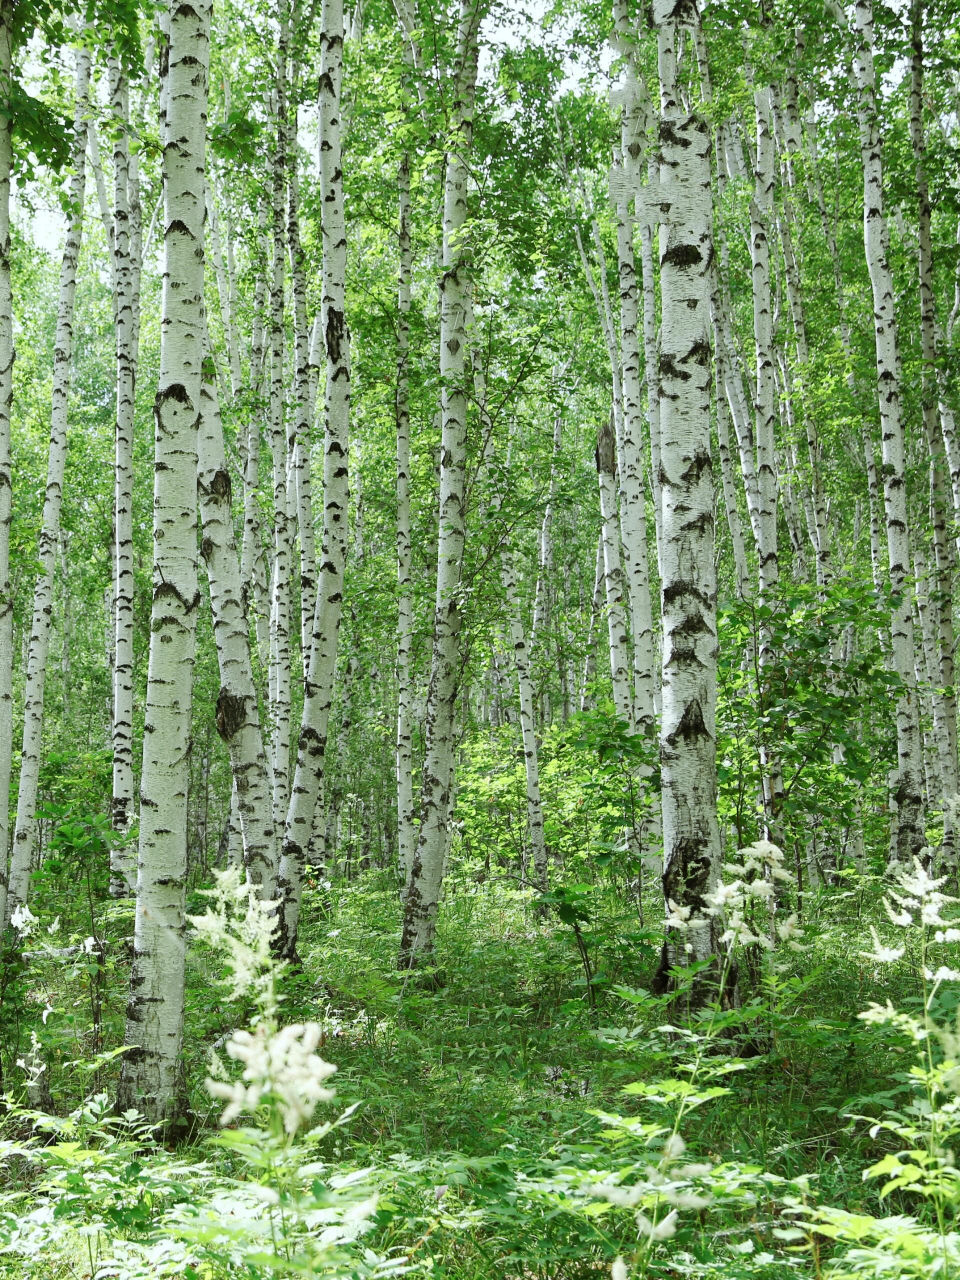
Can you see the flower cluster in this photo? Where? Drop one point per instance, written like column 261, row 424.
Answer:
column 242, row 925
column 747, row 902
column 23, row 920
column 918, row 900
column 279, row 1067
column 666, row 1183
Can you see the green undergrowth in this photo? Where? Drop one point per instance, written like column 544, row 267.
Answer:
column 496, row 1092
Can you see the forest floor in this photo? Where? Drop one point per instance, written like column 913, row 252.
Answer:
column 487, row 1089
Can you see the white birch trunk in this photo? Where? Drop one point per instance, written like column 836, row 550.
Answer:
column 318, row 686
column 618, row 641
column 123, row 870
column 280, row 580
column 406, row 811
column 910, row 837
column 6, row 491
column 237, row 712
column 761, row 219
column 150, row 1079
column 24, row 839
column 691, row 837
column 422, row 898
column 299, row 444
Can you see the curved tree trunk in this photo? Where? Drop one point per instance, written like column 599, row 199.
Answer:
column 155, row 1010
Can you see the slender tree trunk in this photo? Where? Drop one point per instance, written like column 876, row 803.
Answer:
column 280, row 583
column 6, row 406
column 24, row 840
column 150, row 1079
column 319, row 683
column 123, row 870
column 691, row 837
column 237, row 714
column 909, row 797
column 406, row 811
column 299, row 444
column 942, row 668
column 761, row 218
column 613, row 577
column 422, row 898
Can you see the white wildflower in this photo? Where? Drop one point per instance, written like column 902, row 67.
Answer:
column 724, row 894
column 674, row 1147
column 689, row 1200
column 658, row 1230
column 619, row 1270
column 901, row 917
column 677, row 917
column 23, row 919
column 89, row 946
column 880, row 953
column 54, row 928
column 767, row 850
column 47, row 1012
column 760, row 889
column 695, row 1170
column 930, row 914
column 947, row 935
column 943, row 974
column 622, row 1197
column 282, row 1067
column 789, row 928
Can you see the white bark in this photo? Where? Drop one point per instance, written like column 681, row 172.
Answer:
column 280, row 580
column 761, row 220
column 406, row 811
column 127, row 287
column 6, row 405
column 691, row 838
column 613, row 578
column 422, row 898
column 24, row 839
column 319, row 683
column 299, row 443
column 910, row 837
column 155, row 1010
column 237, row 712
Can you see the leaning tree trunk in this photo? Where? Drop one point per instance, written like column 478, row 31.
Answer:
column 422, row 898
column 150, row 1076
column 237, row 715
column 24, row 838
column 123, row 871
column 909, row 794
column 6, row 405
column 319, row 682
column 691, row 838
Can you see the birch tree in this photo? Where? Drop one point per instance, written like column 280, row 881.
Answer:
column 691, row 839
column 6, row 404
column 319, row 682
column 909, row 798
column 155, row 1009
column 422, row 897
